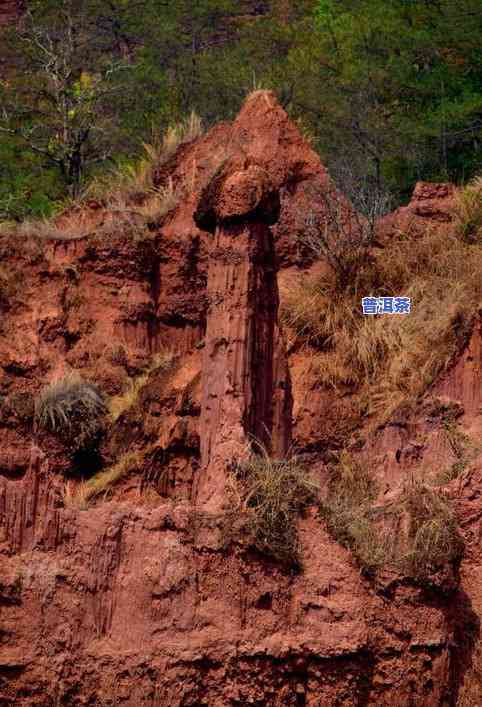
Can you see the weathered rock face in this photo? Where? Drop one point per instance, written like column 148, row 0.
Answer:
column 246, row 389
column 431, row 204
column 135, row 600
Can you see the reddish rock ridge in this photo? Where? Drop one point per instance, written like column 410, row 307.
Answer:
column 431, row 204
column 135, row 600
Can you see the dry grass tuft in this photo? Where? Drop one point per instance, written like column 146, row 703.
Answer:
column 462, row 448
column 127, row 192
column 102, row 482
column 45, row 230
column 468, row 210
column 416, row 534
column 131, row 186
column 265, row 93
column 267, row 496
column 119, row 404
column 71, row 408
column 347, row 511
column 162, row 149
column 432, row 538
column 160, row 203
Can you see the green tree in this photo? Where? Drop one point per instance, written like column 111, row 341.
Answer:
column 390, row 90
column 63, row 114
column 396, row 84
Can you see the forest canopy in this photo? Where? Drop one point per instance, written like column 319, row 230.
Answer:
column 390, row 91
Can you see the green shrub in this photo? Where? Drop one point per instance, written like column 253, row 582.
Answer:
column 71, row 408
column 269, row 494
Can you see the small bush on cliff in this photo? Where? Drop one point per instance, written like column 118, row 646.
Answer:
column 268, row 495
column 71, row 408
column 344, row 232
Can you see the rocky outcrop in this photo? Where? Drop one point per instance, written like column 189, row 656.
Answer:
column 431, row 204
column 136, row 599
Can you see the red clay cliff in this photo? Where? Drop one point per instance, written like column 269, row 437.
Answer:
column 135, row 599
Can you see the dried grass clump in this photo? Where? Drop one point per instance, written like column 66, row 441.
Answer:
column 463, row 449
column 162, row 361
column 468, row 211
column 162, row 148
column 314, row 313
column 432, row 537
column 160, row 203
column 102, row 482
column 416, row 534
column 46, row 230
column 347, row 511
column 131, row 185
column 268, row 495
column 71, row 408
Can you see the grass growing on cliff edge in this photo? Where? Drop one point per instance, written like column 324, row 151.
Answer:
column 128, row 193
column 161, row 361
column 71, row 408
column 468, row 208
column 267, row 497
column 45, row 230
column 415, row 534
column 432, row 537
column 390, row 358
column 347, row 511
column 102, row 482
column 132, row 185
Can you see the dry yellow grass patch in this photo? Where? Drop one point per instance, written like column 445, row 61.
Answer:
column 160, row 202
column 101, row 483
column 184, row 132
column 118, row 404
column 415, row 534
column 267, row 495
column 390, row 358
column 468, row 209
column 127, row 192
column 45, row 230
column 123, row 186
column 264, row 93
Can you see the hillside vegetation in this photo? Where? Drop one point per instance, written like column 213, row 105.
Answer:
column 392, row 360
column 390, row 92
